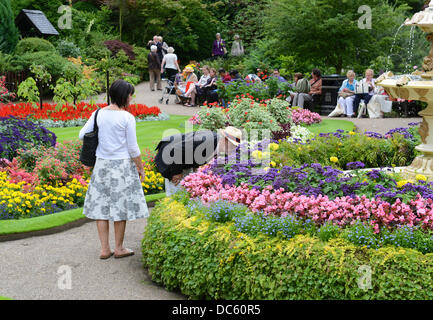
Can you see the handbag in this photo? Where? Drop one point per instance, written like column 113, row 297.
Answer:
column 90, row 143
column 345, row 94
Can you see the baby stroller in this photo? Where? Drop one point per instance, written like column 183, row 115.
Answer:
column 169, row 89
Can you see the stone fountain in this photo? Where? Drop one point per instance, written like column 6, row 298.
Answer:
column 417, row 86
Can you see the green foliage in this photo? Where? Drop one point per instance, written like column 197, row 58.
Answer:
column 28, row 90
column 30, row 45
column 280, row 110
column 73, row 86
column 140, row 62
column 374, row 153
column 336, row 40
column 52, row 62
column 68, row 49
column 328, row 231
column 8, row 31
column 212, row 118
column 208, row 260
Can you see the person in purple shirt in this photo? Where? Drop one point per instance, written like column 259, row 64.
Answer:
column 218, row 47
column 276, row 74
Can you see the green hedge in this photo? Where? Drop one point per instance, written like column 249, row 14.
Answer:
column 214, row 261
column 29, row 45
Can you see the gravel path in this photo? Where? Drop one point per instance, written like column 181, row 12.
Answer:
column 29, row 268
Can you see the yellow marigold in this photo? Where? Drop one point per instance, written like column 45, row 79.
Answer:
column 273, row 146
column 421, row 177
column 333, row 159
column 401, row 183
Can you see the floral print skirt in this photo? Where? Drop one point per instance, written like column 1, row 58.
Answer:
column 115, row 192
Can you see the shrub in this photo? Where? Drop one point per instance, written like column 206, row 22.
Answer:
column 68, row 49
column 31, row 45
column 280, row 110
column 52, row 61
column 212, row 118
column 206, row 260
column 16, row 134
column 50, row 170
column 115, row 46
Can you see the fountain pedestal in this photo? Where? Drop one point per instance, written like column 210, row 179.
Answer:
column 423, row 164
column 406, row 88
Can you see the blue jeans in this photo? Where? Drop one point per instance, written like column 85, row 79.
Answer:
column 358, row 97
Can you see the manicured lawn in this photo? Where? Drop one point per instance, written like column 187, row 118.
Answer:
column 5, row 298
column 52, row 220
column 329, row 125
column 149, row 133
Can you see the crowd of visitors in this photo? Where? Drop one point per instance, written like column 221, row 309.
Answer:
column 304, row 93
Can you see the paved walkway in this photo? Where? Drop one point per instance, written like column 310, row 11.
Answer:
column 29, row 267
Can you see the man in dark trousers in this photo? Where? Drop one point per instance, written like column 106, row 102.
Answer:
column 178, row 155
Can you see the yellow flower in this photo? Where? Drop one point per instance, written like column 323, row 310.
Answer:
column 352, row 133
column 401, row 183
column 273, row 164
column 333, row 159
column 273, row 146
column 421, row 177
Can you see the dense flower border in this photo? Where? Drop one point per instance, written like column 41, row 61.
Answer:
column 341, row 211
column 82, row 110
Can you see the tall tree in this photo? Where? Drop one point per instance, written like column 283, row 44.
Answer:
column 329, row 32
column 9, row 34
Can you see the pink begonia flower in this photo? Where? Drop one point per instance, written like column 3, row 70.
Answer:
column 342, row 211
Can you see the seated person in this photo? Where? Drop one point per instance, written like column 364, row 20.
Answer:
column 196, row 89
column 277, row 75
column 225, row 77
column 252, row 78
column 205, row 89
column 367, row 84
column 299, row 99
column 234, row 74
column 301, row 85
column 189, row 78
column 346, row 94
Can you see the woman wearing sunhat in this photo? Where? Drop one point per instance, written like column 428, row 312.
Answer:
column 180, row 154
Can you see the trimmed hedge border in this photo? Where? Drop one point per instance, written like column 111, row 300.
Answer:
column 207, row 260
column 53, row 223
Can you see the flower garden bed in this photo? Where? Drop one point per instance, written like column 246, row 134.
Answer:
column 189, row 250
column 267, row 232
column 52, row 115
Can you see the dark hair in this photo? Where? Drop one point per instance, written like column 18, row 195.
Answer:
column 234, row 72
column 221, row 70
column 276, row 69
column 317, row 72
column 299, row 75
column 119, row 92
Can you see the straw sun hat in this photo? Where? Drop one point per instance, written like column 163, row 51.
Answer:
column 188, row 69
column 234, row 135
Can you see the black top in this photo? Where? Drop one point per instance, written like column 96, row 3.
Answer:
column 185, row 151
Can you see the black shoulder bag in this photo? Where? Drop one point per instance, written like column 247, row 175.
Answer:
column 90, row 143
